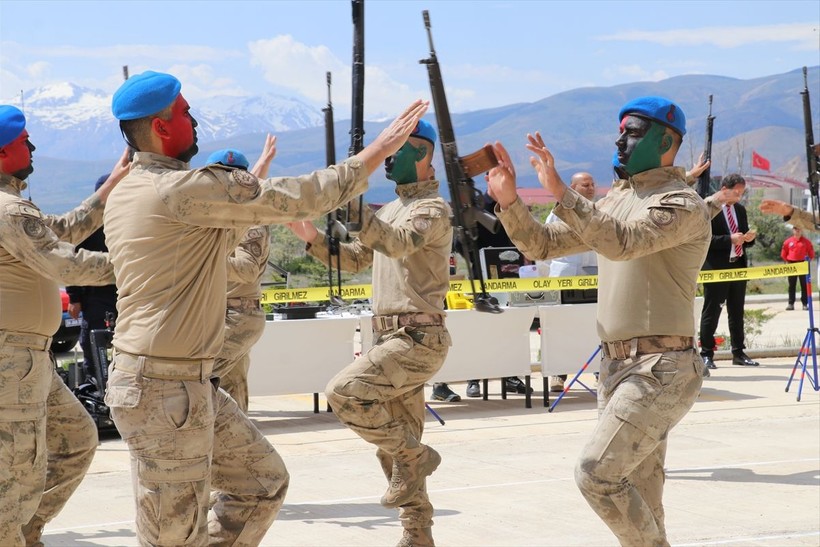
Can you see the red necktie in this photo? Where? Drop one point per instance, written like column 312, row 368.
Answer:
column 733, row 229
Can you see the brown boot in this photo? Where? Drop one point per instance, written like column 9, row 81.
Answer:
column 410, row 468
column 417, row 537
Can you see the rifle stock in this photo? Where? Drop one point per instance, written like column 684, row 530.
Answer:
column 813, row 175
column 468, row 202
column 705, row 179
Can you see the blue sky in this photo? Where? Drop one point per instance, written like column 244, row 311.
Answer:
column 493, row 53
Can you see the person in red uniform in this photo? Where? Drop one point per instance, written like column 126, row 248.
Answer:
column 796, row 249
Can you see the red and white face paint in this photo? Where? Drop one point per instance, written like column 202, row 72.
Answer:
column 178, row 133
column 15, row 157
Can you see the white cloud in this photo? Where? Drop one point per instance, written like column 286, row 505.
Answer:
column 202, row 80
column 299, row 67
column 38, row 69
column 803, row 35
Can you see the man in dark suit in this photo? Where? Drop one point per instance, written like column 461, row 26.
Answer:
column 93, row 302
column 730, row 239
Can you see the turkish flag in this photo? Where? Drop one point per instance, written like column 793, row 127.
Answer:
column 759, row 161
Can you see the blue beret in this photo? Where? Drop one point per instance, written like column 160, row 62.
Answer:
column 424, row 131
column 229, row 157
column 12, row 123
column 100, row 181
column 144, row 94
column 657, row 109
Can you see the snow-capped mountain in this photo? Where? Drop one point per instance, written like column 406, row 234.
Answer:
column 67, row 121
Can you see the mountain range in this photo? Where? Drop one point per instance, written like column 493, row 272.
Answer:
column 78, row 139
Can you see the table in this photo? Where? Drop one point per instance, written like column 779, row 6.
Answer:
column 569, row 337
column 301, row 355
column 485, row 345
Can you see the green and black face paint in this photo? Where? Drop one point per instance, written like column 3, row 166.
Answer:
column 641, row 145
column 401, row 167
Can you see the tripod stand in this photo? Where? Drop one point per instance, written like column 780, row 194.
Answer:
column 809, row 344
column 575, row 379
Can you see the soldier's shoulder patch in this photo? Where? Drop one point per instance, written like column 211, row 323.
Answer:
column 421, row 224
column 244, row 178
column 678, row 201
column 34, row 227
column 432, row 209
column 254, row 234
column 255, row 249
column 24, row 209
column 662, row 216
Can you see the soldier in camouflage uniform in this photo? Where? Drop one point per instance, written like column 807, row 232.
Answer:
column 380, row 396
column 651, row 233
column 47, row 438
column 169, row 230
column 244, row 318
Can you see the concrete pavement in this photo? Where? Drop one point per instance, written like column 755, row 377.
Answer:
column 743, row 468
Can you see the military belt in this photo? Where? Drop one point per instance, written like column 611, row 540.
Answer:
column 392, row 322
column 624, row 349
column 25, row 340
column 162, row 368
column 243, row 303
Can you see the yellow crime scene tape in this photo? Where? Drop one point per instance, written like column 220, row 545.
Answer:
column 531, row 284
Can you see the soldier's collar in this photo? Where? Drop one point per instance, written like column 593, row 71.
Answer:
column 149, row 158
column 417, row 189
column 658, row 177
column 9, row 181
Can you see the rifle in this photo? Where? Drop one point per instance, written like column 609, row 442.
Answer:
column 335, row 231
column 92, row 395
column 468, row 203
column 812, row 151
column 705, row 179
column 357, row 103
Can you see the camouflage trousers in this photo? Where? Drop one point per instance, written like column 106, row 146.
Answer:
column 47, row 442
column 243, row 328
column 380, row 396
column 185, row 438
column 620, row 471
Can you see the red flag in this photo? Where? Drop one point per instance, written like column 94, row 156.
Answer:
column 759, row 161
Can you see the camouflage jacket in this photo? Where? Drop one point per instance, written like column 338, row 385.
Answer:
column 412, row 237
column 651, row 233
column 37, row 254
column 169, row 230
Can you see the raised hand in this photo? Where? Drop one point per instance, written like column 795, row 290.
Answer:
column 776, row 207
column 501, row 178
column 118, row 172
column 544, row 165
column 393, row 136
column 304, row 230
column 262, row 166
column 699, row 167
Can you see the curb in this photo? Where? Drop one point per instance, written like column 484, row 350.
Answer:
column 760, row 353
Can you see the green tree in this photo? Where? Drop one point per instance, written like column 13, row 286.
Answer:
column 771, row 231
column 541, row 212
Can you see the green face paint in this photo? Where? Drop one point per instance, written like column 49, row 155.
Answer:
column 401, row 167
column 641, row 145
